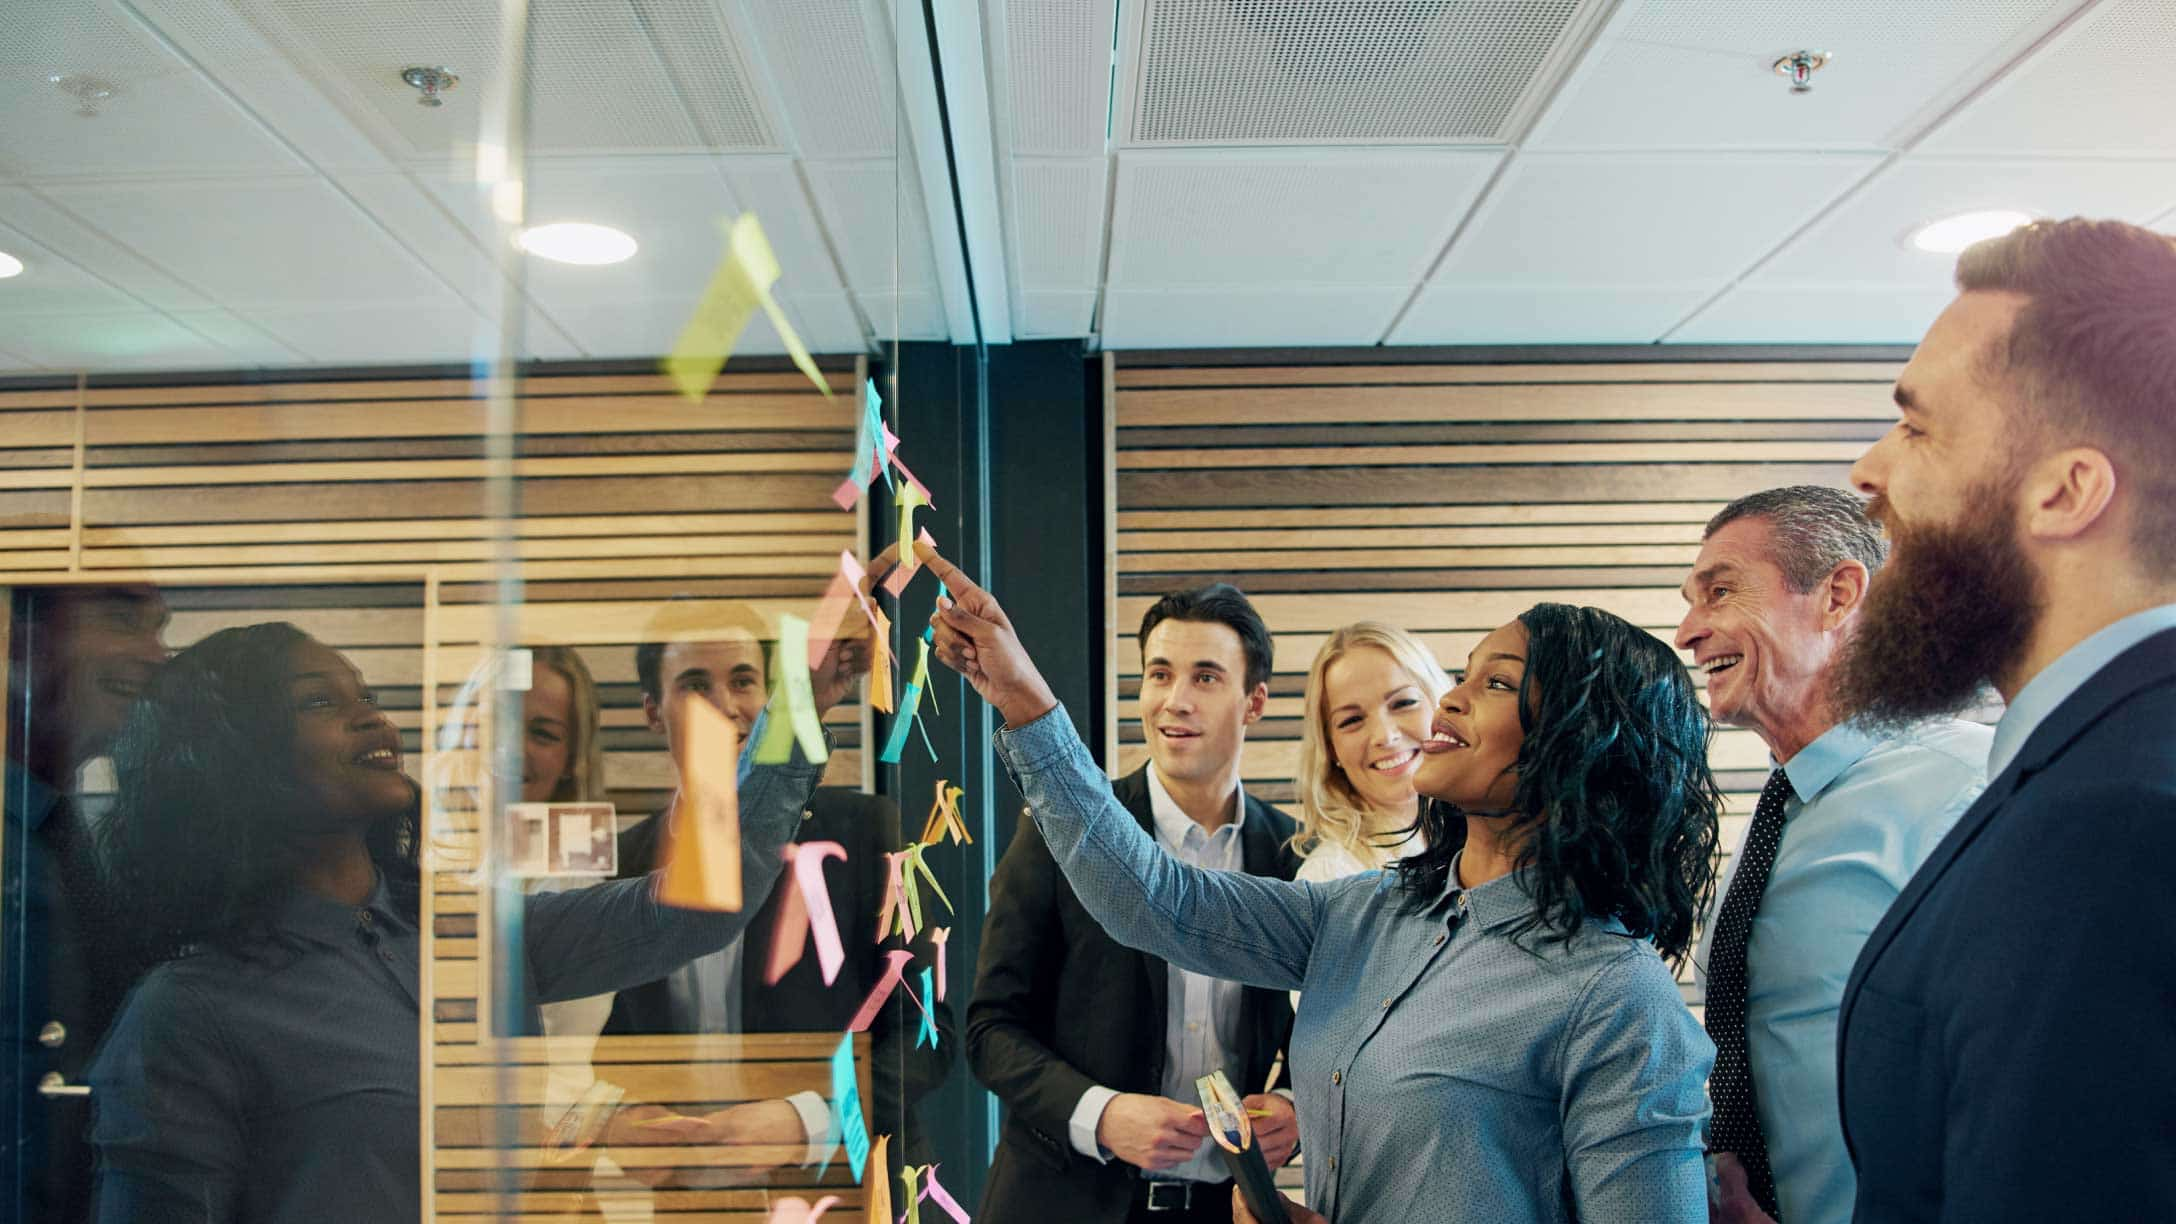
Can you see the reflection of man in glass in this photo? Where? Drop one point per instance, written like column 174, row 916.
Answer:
column 725, row 992
column 78, row 659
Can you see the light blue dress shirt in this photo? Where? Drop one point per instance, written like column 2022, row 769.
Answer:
column 1443, row 1071
column 1863, row 814
column 2066, row 675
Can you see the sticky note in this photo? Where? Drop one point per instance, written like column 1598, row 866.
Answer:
column 879, row 1188
column 935, row 1192
column 793, row 703
column 807, row 910
column 938, row 936
column 918, row 867
column 902, row 722
column 791, row 1210
column 880, row 665
column 872, row 447
column 907, row 497
column 911, row 1177
column 740, row 287
column 846, row 1102
column 944, row 817
column 929, row 1016
column 702, row 829
column 895, row 964
column 894, row 896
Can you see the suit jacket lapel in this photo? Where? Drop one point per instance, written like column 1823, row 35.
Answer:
column 1132, row 791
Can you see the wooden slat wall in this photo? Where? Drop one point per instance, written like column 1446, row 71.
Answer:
column 356, row 509
column 1447, row 499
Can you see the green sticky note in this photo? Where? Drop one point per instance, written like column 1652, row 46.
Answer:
column 792, row 710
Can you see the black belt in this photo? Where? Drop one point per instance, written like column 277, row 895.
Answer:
column 1171, row 1194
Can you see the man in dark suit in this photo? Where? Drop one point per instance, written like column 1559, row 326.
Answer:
column 2008, row 1037
column 78, row 659
column 726, row 992
column 1093, row 1047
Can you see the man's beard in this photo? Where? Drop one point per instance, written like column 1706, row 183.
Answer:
column 1953, row 610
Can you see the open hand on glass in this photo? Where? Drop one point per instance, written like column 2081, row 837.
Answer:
column 975, row 638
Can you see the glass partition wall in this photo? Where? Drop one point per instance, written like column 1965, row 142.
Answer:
column 453, row 681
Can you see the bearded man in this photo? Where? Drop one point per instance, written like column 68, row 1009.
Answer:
column 2007, row 1047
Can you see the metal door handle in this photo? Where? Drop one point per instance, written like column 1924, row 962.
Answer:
column 54, row 1084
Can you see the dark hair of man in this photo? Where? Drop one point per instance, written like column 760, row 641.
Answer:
column 682, row 619
column 2091, row 359
column 1615, row 809
column 1814, row 530
column 200, row 847
column 1219, row 603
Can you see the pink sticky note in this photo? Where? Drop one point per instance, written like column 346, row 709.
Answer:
column 937, row 1194
column 896, row 963
column 797, row 1211
column 807, row 908
column 895, row 890
column 909, row 475
column 852, row 569
column 847, row 495
column 830, row 611
column 938, row 935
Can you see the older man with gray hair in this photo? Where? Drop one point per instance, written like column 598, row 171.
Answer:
column 1846, row 817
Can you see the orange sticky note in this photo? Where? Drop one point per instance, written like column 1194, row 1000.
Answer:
column 878, row 1183
column 702, row 828
column 944, row 817
column 880, row 665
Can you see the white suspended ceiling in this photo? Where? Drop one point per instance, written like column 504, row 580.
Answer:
column 261, row 190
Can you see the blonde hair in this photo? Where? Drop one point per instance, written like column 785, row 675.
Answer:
column 457, row 774
column 584, row 781
column 1330, row 809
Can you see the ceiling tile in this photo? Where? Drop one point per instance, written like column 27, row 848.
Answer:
column 1051, row 69
column 1596, row 314
column 831, row 63
column 872, row 208
column 1264, row 218
column 131, row 340
column 1052, row 315
column 379, row 334
column 162, row 117
column 2101, row 87
column 265, row 243
column 1813, row 314
column 1054, row 222
column 1662, row 220
column 915, row 315
column 50, row 284
column 251, row 345
column 1695, row 74
column 58, row 230
column 1241, row 318
column 1864, row 240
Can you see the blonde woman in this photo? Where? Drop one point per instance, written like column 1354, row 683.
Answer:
column 1370, row 695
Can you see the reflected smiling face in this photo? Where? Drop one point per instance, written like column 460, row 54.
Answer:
column 547, row 733
column 1376, row 719
column 728, row 674
column 1477, row 733
column 100, row 650
column 346, row 753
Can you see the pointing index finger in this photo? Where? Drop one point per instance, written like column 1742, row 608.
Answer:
column 947, row 573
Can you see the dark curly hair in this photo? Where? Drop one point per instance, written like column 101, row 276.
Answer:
column 1615, row 810
column 199, row 849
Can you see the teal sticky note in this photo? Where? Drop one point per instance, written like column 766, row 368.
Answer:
column 896, row 742
column 929, row 1017
column 846, row 1100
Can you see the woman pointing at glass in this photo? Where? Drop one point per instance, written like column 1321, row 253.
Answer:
column 1486, row 1032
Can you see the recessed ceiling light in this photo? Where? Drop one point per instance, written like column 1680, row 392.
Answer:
column 1953, row 234
column 9, row 266
column 576, row 242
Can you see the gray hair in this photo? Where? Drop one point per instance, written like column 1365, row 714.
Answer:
column 1816, row 529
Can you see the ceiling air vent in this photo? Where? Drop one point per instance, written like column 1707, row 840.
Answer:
column 1347, row 71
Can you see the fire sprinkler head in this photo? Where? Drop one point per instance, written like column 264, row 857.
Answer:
column 433, row 82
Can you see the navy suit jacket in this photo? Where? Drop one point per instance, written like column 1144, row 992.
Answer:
column 2007, row 1045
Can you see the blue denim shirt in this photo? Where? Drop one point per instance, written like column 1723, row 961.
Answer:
column 283, row 1087
column 1442, row 1070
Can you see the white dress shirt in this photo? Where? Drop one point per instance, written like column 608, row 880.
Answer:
column 1201, row 1014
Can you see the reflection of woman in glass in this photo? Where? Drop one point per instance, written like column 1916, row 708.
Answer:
column 1489, row 1032
column 265, row 839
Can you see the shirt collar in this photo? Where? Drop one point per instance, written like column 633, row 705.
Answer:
column 323, row 920
column 1172, row 822
column 1498, row 902
column 1826, row 758
column 2066, row 675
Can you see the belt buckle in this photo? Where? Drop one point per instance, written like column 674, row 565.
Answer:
column 1170, row 1195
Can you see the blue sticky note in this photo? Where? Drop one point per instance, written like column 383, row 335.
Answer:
column 846, row 1099
column 896, row 743
column 929, row 1018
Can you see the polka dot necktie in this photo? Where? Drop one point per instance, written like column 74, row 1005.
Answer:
column 1736, row 1126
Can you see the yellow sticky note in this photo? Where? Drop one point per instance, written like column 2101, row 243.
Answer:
column 702, row 855
column 878, row 1183
column 880, row 664
column 740, row 286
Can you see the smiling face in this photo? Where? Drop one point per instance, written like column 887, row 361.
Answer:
column 1375, row 718
column 99, row 651
column 728, row 674
column 1476, row 734
column 547, row 734
column 1765, row 647
column 346, row 753
column 1195, row 705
